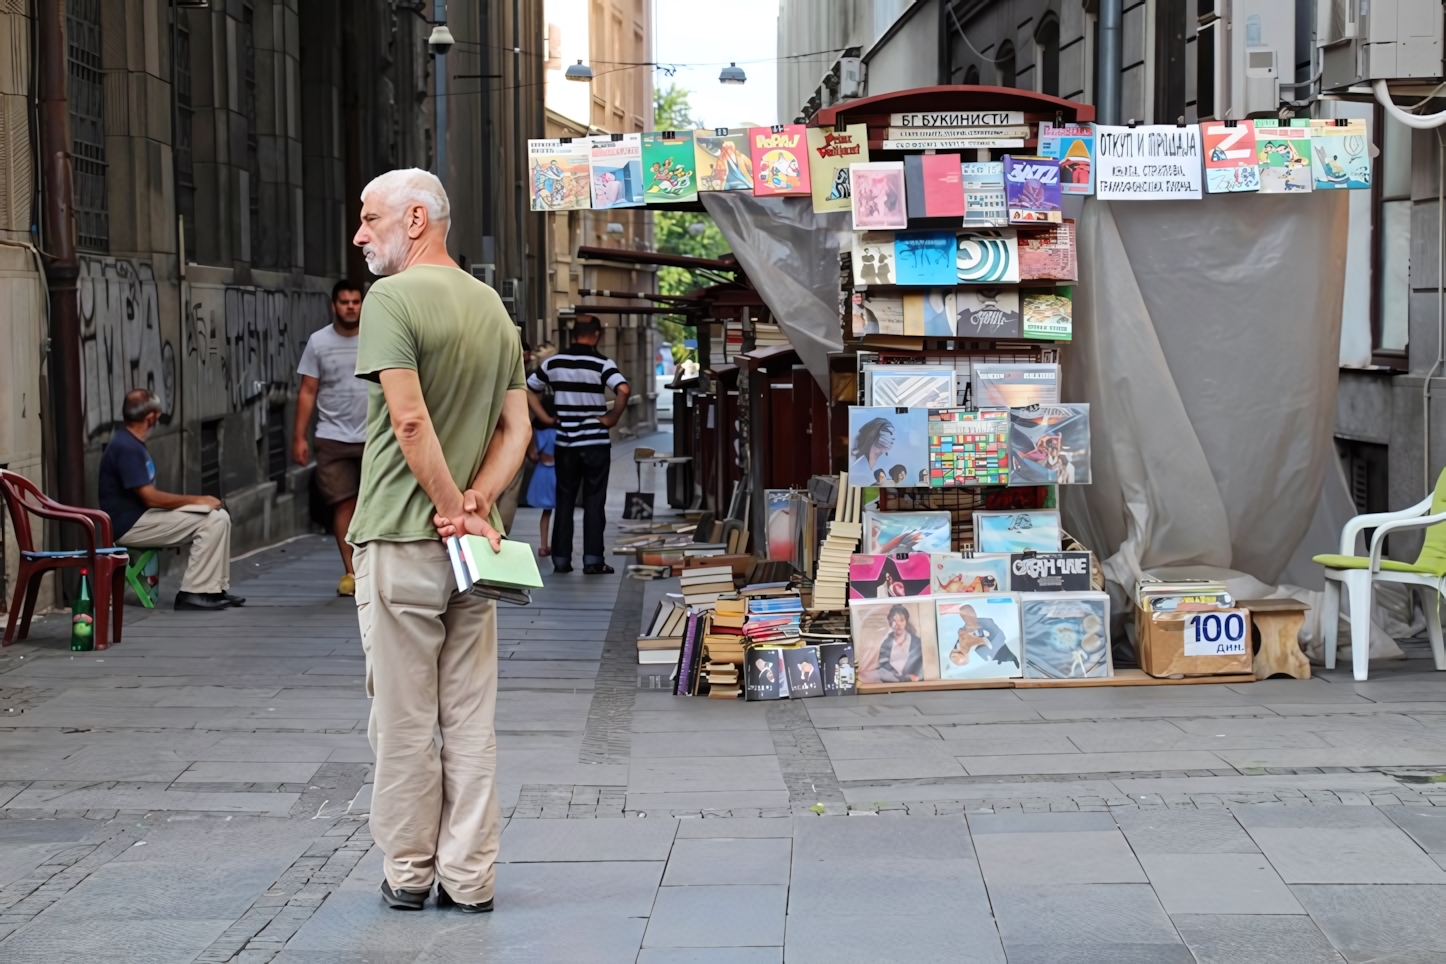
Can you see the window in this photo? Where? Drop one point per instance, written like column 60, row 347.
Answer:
column 1169, row 61
column 248, row 109
column 184, row 156
column 87, row 123
column 1046, row 43
column 1391, row 230
column 1365, row 466
column 1005, row 65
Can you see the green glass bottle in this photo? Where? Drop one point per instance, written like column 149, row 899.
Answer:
column 82, row 618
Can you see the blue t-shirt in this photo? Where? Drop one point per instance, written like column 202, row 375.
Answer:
column 125, row 467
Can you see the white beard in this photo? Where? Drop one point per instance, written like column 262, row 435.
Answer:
column 386, row 257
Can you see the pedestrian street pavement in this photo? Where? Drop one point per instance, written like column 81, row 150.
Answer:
column 199, row 793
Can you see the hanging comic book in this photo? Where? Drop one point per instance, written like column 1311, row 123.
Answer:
column 1230, row 163
column 988, row 257
column 1050, row 444
column 886, row 577
column 830, row 152
column 1048, row 315
column 929, row 315
column 888, row 446
column 617, row 171
column 979, row 637
column 1066, row 635
column 1340, row 154
column 984, row 205
column 1284, row 156
column 780, row 160
column 669, row 170
column 722, row 161
column 560, row 174
column 924, row 258
column 1049, row 254
column 1031, row 190
column 986, row 313
column 1073, row 146
column 968, row 447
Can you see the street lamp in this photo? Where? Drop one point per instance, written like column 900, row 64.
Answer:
column 579, row 71
column 732, row 74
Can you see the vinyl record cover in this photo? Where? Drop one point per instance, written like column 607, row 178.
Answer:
column 988, row 257
column 836, row 660
column 783, row 524
column 1231, row 165
column 1031, row 189
column 780, row 160
column 1049, row 254
column 1050, row 572
column 617, row 172
column 987, row 312
column 1074, row 148
column 1014, row 384
column 979, row 636
column 968, row 447
column 805, row 677
column 764, row 675
column 934, row 186
column 669, row 169
column 1340, row 154
column 881, row 314
column 888, row 577
column 894, row 639
column 886, row 533
column 1033, row 529
column 930, row 314
column 1048, row 315
column 561, row 174
column 723, row 162
column 924, row 258
column 1284, row 156
column 984, row 205
column 911, row 386
column 889, row 447
column 877, row 190
column 981, row 572
column 1066, row 635
column 1050, row 445
column 873, row 258
column 830, row 152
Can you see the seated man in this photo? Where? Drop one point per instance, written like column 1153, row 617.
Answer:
column 142, row 515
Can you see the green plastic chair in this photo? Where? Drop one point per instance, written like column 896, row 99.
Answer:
column 145, row 584
column 1359, row 574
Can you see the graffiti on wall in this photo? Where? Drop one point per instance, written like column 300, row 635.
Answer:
column 121, row 340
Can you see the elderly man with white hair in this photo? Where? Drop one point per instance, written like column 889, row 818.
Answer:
column 447, row 428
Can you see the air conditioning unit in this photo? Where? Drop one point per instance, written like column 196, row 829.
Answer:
column 1240, row 62
column 1366, row 40
column 508, row 292
column 485, row 273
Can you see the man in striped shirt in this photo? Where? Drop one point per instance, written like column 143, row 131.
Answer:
column 579, row 378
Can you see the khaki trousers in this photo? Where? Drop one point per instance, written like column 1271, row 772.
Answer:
column 209, row 533
column 431, row 663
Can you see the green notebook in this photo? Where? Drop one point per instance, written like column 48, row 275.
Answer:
column 475, row 564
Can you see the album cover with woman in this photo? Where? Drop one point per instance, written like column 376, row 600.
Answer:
column 888, row 577
column 895, row 639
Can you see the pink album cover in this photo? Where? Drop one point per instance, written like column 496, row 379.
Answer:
column 885, row 577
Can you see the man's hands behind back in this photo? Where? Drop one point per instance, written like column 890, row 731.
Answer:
column 472, row 521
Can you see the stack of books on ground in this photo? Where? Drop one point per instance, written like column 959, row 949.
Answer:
column 831, row 581
column 723, row 643
column 702, row 586
column 1182, row 595
column 773, row 618
column 664, row 637
column 799, row 671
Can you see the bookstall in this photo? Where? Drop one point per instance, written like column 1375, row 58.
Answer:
column 931, row 553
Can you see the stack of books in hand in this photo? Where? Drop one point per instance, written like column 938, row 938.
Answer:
column 664, row 636
column 702, row 586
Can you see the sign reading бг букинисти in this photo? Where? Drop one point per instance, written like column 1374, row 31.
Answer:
column 971, row 118
column 1156, row 163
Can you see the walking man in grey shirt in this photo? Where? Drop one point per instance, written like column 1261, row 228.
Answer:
column 330, row 387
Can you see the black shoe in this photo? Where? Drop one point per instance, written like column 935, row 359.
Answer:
column 557, row 568
column 234, row 600
column 202, row 600
column 598, row 569
column 404, row 899
column 445, row 902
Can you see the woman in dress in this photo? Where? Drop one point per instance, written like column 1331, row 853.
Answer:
column 542, row 490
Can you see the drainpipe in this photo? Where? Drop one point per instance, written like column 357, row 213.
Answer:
column 1107, row 98
column 67, row 412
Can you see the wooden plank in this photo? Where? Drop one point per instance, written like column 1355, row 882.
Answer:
column 1123, row 677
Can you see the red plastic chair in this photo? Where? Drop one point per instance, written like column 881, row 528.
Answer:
column 105, row 560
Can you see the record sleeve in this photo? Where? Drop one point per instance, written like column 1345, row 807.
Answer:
column 979, row 636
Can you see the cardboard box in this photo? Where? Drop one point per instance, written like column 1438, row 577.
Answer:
column 1161, row 641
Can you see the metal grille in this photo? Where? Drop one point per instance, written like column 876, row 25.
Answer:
column 276, row 446
column 87, row 123
column 211, row 458
column 248, row 107
column 185, row 159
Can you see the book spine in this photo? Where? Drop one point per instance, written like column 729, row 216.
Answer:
column 454, row 554
column 469, row 561
column 685, row 656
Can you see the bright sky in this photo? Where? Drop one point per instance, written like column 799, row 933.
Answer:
column 742, row 31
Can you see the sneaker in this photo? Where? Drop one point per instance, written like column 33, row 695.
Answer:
column 347, row 586
column 445, row 902
column 404, row 899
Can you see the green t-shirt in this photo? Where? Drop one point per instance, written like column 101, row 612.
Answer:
column 452, row 330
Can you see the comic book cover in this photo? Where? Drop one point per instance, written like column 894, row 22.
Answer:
column 884, row 577
column 1074, row 148
column 1050, row 444
column 924, row 258
column 1048, row 315
column 877, row 195
column 1031, row 190
column 890, row 446
column 1231, row 165
column 969, row 573
column 968, row 447
column 873, row 258
column 1049, row 254
column 1284, row 156
column 929, row 315
column 1015, row 384
column 780, row 160
column 723, row 161
column 988, row 257
column 669, row 170
column 979, row 636
column 561, row 174
column 617, row 171
column 1340, row 154
column 1066, row 635
column 986, row 313
column 830, row 152
column 984, row 205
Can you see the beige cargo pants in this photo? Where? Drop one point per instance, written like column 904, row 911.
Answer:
column 209, row 533
column 431, row 663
